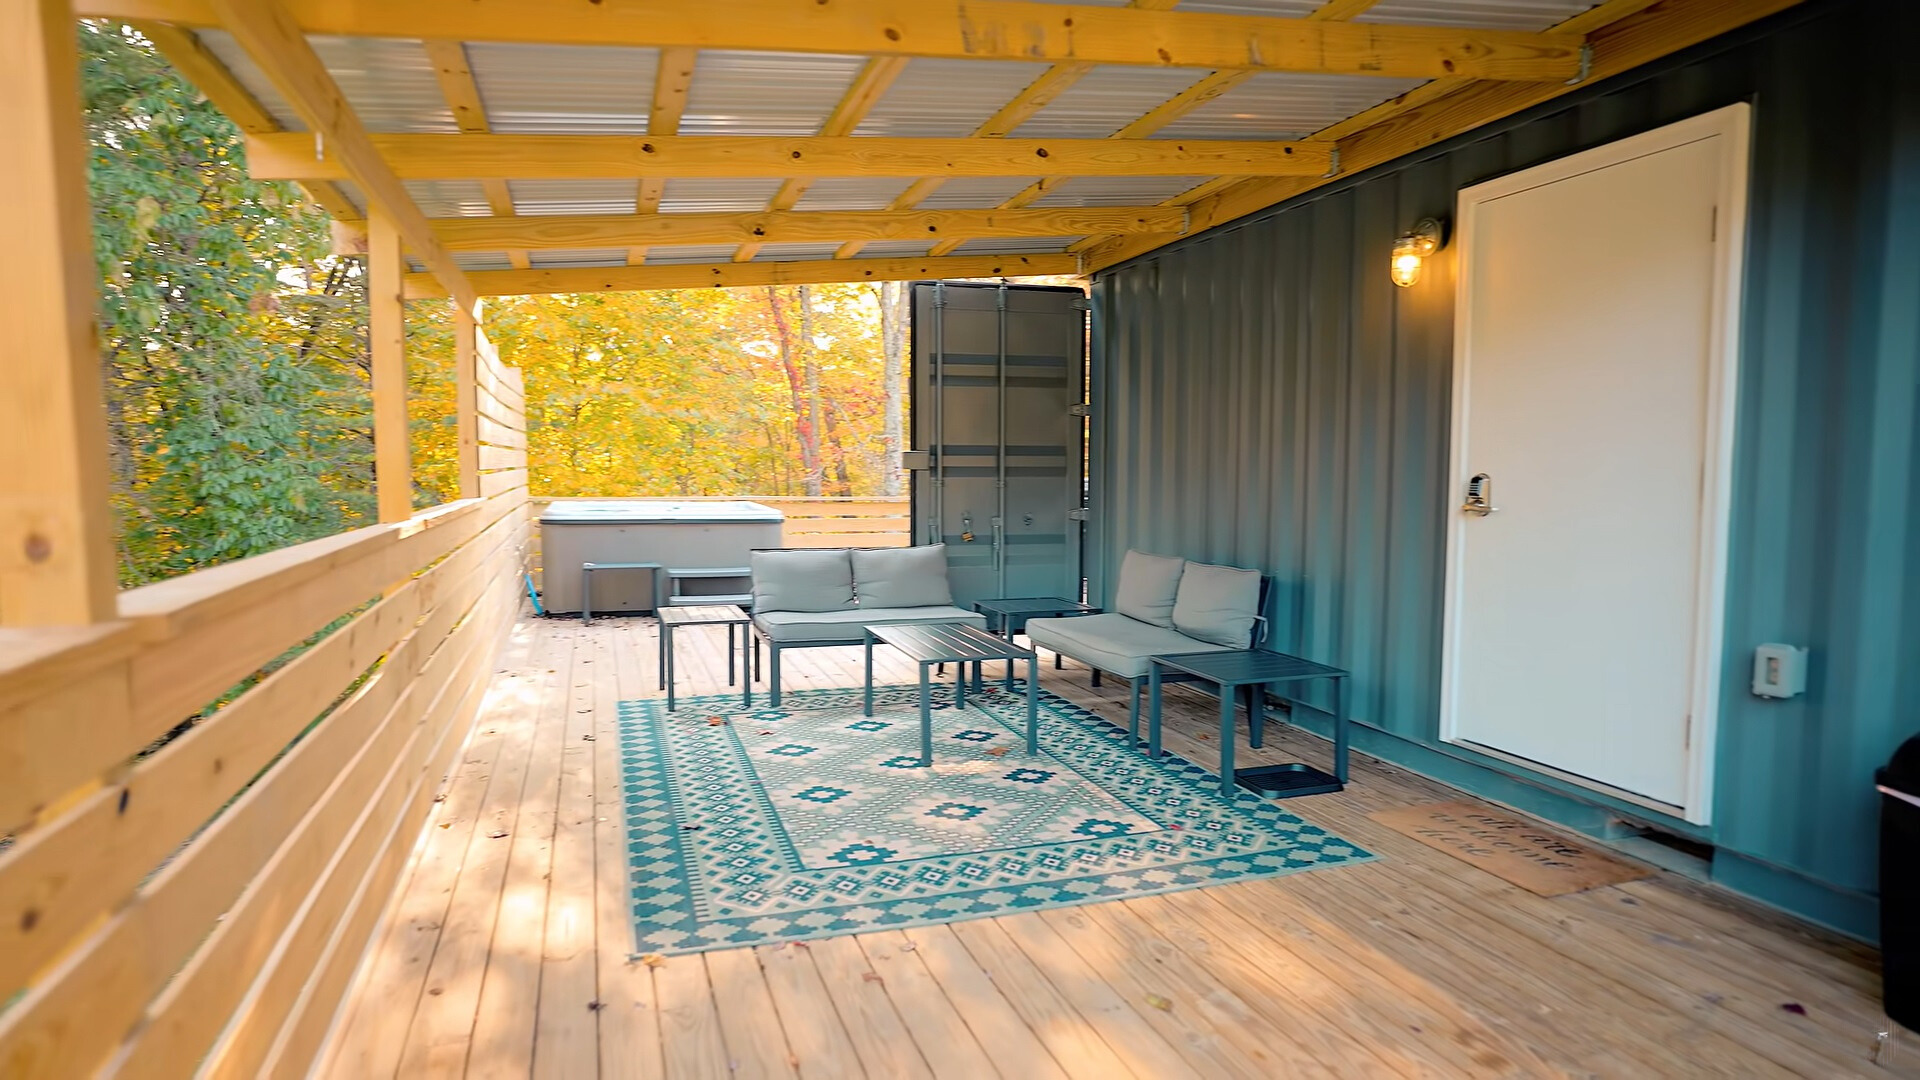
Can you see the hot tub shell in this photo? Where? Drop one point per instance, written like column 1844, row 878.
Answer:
column 692, row 535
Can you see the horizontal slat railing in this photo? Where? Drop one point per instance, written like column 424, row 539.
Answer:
column 203, row 906
column 811, row 521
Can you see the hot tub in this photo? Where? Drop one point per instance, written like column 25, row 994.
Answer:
column 691, row 535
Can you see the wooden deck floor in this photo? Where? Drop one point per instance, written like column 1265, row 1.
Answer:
column 506, row 951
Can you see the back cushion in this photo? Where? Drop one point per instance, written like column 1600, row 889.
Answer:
column 802, row 580
column 1147, row 586
column 1217, row 604
column 901, row 577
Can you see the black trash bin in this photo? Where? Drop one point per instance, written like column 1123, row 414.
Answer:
column 1899, row 784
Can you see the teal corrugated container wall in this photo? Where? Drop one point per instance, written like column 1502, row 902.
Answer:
column 1265, row 396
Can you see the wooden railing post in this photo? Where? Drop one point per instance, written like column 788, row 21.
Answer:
column 466, row 360
column 387, row 341
column 56, row 524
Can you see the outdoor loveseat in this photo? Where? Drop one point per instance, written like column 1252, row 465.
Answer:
column 810, row 597
column 1164, row 606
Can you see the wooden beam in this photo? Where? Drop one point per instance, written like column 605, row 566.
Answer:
column 450, row 67
column 268, row 33
column 192, row 59
column 953, row 29
column 1655, row 32
column 865, row 92
column 56, row 524
column 672, row 79
column 466, row 365
column 699, row 276
column 586, row 157
column 541, row 232
column 387, row 344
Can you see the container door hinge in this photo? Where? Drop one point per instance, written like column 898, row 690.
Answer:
column 1078, row 513
column 1080, row 303
column 1080, row 408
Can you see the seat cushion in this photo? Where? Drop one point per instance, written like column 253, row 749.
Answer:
column 1147, row 587
column 817, row 580
column 901, row 577
column 788, row 627
column 1113, row 642
column 1217, row 604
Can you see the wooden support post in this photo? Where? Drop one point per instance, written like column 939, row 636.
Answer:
column 466, row 357
column 387, row 343
column 56, row 525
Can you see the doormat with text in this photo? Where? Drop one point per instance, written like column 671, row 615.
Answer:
column 1520, row 852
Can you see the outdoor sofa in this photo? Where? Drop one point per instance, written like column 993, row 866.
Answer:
column 806, row 598
column 1164, row 606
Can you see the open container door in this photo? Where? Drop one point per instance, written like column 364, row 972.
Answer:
column 998, row 432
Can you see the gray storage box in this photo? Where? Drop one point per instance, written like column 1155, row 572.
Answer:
column 692, row 535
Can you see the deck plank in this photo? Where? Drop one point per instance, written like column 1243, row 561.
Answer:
column 505, row 955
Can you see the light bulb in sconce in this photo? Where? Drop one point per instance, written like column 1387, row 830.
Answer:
column 1411, row 249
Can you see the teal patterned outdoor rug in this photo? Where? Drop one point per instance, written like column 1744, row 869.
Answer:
column 749, row 827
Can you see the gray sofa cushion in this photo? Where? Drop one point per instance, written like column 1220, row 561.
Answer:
column 790, row 627
column 1113, row 642
column 902, row 577
column 1147, row 587
column 1217, row 604
column 819, row 580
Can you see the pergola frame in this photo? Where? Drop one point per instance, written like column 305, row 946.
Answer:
column 1479, row 75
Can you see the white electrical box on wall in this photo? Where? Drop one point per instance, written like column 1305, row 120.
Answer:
column 1779, row 671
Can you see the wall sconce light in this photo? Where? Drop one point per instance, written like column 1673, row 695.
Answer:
column 1412, row 248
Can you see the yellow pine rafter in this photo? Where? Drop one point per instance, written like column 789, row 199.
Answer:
column 709, row 275
column 672, row 79
column 449, row 59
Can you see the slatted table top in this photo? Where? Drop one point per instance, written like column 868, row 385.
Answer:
column 947, row 642
column 702, row 615
column 1239, row 666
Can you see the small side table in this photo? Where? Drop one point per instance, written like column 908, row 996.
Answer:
column 727, row 615
column 1256, row 669
column 1008, row 616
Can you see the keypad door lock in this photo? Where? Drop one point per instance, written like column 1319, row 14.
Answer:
column 1479, row 499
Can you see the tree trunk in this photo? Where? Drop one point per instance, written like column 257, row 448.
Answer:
column 804, row 424
column 895, row 307
column 816, row 468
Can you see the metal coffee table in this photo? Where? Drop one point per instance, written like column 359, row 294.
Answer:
column 1256, row 669
column 962, row 645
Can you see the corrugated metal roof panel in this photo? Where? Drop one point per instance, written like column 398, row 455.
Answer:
column 483, row 260
column 1118, row 190
column 896, row 249
column 389, row 82
column 354, row 195
column 757, row 93
column 865, row 193
column 794, row 252
column 1279, row 9
column 240, row 62
column 564, row 89
column 1016, row 245
column 717, row 196
column 555, row 260
column 935, row 99
column 1486, row 14
column 1284, row 105
column 975, row 192
column 1105, row 100
column 449, row 198
column 681, row 254
column 574, row 196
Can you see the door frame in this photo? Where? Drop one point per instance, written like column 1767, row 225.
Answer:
column 1733, row 124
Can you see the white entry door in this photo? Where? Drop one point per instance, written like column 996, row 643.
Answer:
column 1593, row 402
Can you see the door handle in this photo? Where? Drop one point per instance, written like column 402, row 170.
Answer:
column 1479, row 499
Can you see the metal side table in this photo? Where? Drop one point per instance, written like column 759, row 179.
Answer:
column 1008, row 616
column 726, row 615
column 1256, row 669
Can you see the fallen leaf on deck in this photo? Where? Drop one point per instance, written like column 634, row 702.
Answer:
column 1203, row 736
column 998, row 751
column 586, row 738
column 908, row 947
column 596, row 1006
column 1160, row 1003
column 689, row 828
column 1795, row 1008
column 496, row 835
column 446, row 824
column 652, row 959
column 714, row 721
column 872, row 976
